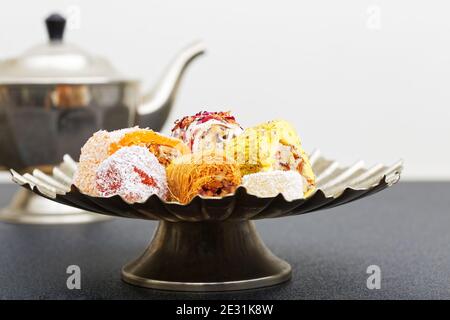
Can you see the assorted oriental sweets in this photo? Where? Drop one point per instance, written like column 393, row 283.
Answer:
column 101, row 151
column 134, row 173
column 204, row 174
column 206, row 130
column 271, row 146
column 268, row 184
column 208, row 155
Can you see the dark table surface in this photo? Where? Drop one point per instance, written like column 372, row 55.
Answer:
column 404, row 230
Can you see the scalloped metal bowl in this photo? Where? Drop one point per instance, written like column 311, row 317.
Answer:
column 216, row 234
column 335, row 186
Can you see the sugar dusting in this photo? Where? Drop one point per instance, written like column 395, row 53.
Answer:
column 93, row 153
column 133, row 173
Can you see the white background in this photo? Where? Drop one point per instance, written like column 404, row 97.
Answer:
column 359, row 79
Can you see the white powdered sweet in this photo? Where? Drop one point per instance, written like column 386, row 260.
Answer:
column 94, row 151
column 271, row 183
column 133, row 173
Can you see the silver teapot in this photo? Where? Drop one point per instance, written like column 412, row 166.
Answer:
column 55, row 95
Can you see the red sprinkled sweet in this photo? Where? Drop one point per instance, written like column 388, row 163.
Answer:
column 145, row 178
column 111, row 182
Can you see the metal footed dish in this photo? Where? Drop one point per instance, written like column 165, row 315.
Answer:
column 211, row 244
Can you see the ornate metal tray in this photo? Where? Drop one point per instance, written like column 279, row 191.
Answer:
column 211, row 244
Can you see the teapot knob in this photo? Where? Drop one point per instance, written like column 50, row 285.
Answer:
column 55, row 27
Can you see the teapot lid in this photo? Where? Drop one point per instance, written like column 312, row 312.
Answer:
column 57, row 62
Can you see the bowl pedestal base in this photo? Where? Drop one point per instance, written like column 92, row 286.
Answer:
column 206, row 256
column 30, row 208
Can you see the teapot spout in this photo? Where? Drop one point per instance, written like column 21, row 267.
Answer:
column 156, row 105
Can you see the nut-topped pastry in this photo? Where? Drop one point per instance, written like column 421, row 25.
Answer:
column 204, row 174
column 206, row 130
column 273, row 145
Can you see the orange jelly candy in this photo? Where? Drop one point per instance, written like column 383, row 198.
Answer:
column 146, row 138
